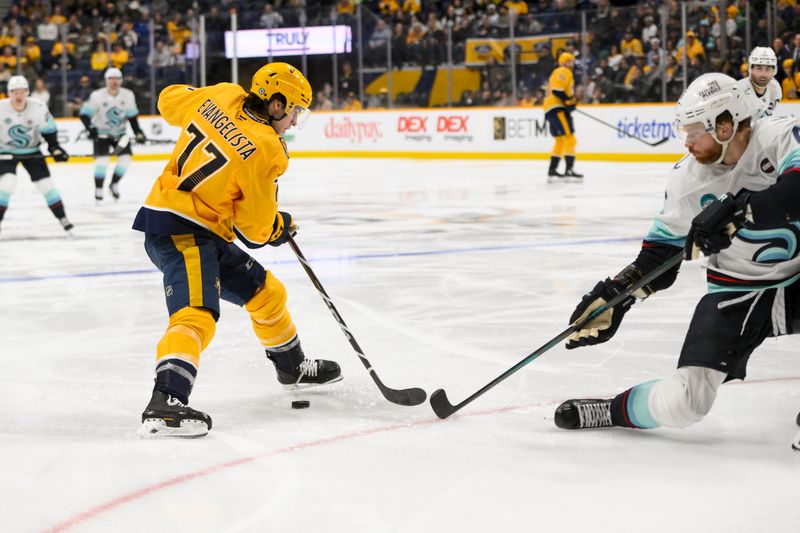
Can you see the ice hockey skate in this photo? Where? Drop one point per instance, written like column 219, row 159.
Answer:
column 582, row 414
column 310, row 373
column 66, row 224
column 796, row 441
column 166, row 416
column 572, row 176
column 114, row 189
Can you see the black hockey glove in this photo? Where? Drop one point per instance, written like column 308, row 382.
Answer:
column 140, row 138
column 93, row 133
column 282, row 228
column 713, row 228
column 605, row 325
column 58, row 153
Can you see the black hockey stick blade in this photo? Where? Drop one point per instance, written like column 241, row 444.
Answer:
column 657, row 143
column 442, row 406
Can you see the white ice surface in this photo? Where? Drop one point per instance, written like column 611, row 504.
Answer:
column 448, row 273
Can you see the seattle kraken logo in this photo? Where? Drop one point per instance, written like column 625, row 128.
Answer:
column 20, row 136
column 115, row 117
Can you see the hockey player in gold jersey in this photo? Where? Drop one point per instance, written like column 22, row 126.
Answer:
column 558, row 106
column 221, row 183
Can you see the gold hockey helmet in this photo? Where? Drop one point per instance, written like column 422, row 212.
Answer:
column 285, row 82
column 564, row 57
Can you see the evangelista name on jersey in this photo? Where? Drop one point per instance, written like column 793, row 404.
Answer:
column 226, row 128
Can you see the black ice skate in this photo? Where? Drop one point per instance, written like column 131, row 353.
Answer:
column 796, row 441
column 572, row 176
column 554, row 176
column 166, row 416
column 310, row 373
column 114, row 188
column 580, row 414
column 98, row 194
column 66, row 224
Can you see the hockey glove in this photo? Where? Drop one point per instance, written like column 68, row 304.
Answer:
column 713, row 228
column 282, row 228
column 605, row 325
column 140, row 138
column 58, row 153
column 93, row 133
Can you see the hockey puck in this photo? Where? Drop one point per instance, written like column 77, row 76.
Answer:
column 301, row 404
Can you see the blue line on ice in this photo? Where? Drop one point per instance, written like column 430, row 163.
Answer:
column 389, row 255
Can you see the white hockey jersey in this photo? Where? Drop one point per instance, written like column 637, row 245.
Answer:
column 21, row 132
column 766, row 103
column 109, row 113
column 759, row 257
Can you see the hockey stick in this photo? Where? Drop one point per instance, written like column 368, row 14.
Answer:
column 442, row 406
column 412, row 396
column 661, row 141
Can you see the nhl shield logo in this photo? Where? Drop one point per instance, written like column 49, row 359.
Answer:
column 766, row 167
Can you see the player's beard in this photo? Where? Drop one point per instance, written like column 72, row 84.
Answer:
column 709, row 156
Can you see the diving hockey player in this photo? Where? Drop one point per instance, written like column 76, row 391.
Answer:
column 737, row 173
column 104, row 115
column 222, row 183
column 558, row 106
column 24, row 122
column 766, row 91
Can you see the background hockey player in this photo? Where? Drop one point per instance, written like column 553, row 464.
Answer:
column 558, row 106
column 104, row 116
column 766, row 91
column 746, row 175
column 23, row 123
column 222, row 183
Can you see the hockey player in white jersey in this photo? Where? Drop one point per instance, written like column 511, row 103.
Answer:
column 24, row 122
column 738, row 175
column 104, row 115
column 762, row 65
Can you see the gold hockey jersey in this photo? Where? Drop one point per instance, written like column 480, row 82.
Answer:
column 560, row 89
column 223, row 173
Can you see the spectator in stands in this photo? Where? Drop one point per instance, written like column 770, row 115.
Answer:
column 57, row 55
column 518, row 7
column 47, row 32
column 399, row 50
column 99, row 61
column 630, row 46
column 794, row 52
column 414, row 42
column 127, row 36
column 178, row 32
column 322, row 101
column 161, row 56
column 376, row 46
column 695, row 52
column 411, row 7
column 433, row 42
column 119, row 56
column 789, row 83
column 32, row 54
column 345, row 9
column 347, row 80
column 270, row 18
column 5, row 74
column 351, row 103
column 40, row 91
column 782, row 53
column 84, row 44
column 649, row 30
column 466, row 99
column 8, row 58
column 389, row 8
column 57, row 17
column 78, row 94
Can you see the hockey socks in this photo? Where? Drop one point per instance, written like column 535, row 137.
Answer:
column 630, row 409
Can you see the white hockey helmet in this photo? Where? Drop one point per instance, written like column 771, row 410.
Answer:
column 762, row 55
column 18, row 82
column 113, row 73
column 707, row 98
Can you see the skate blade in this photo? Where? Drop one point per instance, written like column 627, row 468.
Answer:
column 158, row 428
column 574, row 180
column 302, row 386
column 796, row 442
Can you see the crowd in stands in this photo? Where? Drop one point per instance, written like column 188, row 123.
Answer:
column 620, row 62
